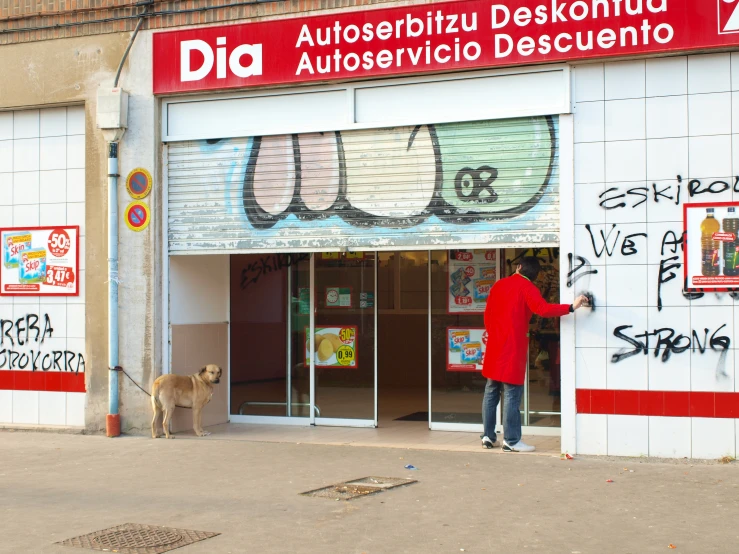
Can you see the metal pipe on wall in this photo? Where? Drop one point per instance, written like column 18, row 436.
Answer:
column 113, row 419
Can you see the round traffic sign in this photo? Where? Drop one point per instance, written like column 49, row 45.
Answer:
column 138, row 183
column 137, row 216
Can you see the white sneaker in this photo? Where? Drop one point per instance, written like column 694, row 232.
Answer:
column 487, row 442
column 520, row 446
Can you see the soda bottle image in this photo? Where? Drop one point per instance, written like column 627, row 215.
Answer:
column 710, row 262
column 731, row 256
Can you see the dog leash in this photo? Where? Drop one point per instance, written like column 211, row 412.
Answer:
column 144, row 390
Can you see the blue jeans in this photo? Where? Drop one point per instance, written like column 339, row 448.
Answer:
column 511, row 410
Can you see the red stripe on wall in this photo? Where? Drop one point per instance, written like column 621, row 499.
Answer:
column 51, row 381
column 658, row 403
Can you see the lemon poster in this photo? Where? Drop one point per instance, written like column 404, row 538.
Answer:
column 334, row 346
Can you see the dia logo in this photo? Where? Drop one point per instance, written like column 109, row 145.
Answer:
column 728, row 16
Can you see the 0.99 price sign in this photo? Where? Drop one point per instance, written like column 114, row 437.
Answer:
column 39, row 261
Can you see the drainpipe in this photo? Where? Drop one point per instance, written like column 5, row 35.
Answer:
column 113, row 419
column 112, row 117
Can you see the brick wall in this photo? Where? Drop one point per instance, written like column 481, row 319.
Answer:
column 35, row 20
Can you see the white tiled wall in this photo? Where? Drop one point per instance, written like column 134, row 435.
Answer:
column 42, row 182
column 641, row 124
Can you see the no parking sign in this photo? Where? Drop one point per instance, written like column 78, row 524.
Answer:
column 138, row 183
column 137, row 216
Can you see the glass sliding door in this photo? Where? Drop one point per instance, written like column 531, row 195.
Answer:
column 457, row 329
column 459, row 280
column 269, row 378
column 344, row 338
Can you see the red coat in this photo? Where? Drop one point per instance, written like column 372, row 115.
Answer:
column 508, row 312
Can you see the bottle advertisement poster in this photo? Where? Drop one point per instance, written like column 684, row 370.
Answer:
column 334, row 346
column 471, row 275
column 711, row 247
column 465, row 348
column 40, row 261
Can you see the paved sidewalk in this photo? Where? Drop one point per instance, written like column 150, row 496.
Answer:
column 54, row 487
column 394, row 434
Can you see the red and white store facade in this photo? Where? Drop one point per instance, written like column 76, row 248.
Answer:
column 642, row 99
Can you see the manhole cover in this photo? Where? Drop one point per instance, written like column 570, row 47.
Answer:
column 137, row 538
column 358, row 488
column 133, row 538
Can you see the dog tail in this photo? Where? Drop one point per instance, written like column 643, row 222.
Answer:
column 155, row 396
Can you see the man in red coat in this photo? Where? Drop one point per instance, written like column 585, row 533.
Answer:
column 508, row 312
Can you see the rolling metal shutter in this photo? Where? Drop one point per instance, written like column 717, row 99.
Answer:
column 453, row 184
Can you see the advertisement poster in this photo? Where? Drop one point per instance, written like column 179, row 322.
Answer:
column 471, row 275
column 338, row 297
column 465, row 348
column 334, row 346
column 40, row 261
column 711, row 246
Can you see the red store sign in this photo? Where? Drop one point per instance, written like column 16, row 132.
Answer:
column 435, row 37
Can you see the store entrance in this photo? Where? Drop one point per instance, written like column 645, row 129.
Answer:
column 396, row 337
column 402, row 336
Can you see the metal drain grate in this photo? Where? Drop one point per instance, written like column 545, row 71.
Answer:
column 358, row 488
column 132, row 538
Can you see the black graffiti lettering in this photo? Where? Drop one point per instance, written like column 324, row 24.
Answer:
column 605, row 238
column 658, row 193
column 4, row 359
column 80, row 363
column 582, row 264
column 6, row 326
column 663, row 342
column 57, row 357
column 676, row 348
column 267, row 264
column 21, row 363
column 736, row 184
column 641, row 192
column 48, row 330
column 697, row 341
column 611, row 198
column 68, row 358
column 670, row 342
column 469, row 184
column 19, row 328
column 716, row 187
column 666, row 274
column 13, row 358
column 674, row 242
column 34, row 360
column 628, row 248
column 721, row 341
column 45, row 367
column 31, row 324
column 638, row 346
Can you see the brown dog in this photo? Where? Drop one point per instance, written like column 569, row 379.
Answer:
column 193, row 391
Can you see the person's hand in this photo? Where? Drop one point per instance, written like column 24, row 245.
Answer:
column 580, row 301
